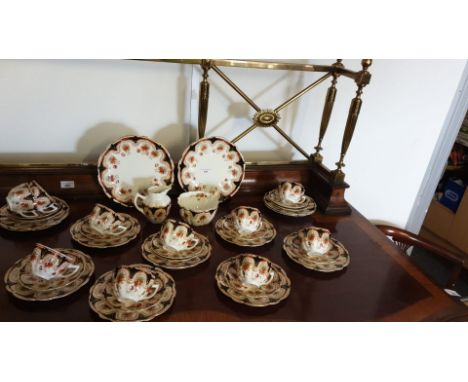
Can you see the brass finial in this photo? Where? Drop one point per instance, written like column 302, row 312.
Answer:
column 206, row 65
column 366, row 63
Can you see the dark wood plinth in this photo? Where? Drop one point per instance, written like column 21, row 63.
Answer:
column 319, row 181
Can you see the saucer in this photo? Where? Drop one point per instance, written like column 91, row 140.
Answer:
column 103, row 299
column 23, row 284
column 229, row 282
column 305, row 207
column 334, row 260
column 226, row 229
column 82, row 233
column 14, row 222
column 288, row 212
column 160, row 255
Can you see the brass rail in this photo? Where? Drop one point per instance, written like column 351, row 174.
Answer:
column 265, row 65
column 270, row 117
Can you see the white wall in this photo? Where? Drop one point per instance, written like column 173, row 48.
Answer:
column 69, row 110
column 402, row 117
column 75, row 108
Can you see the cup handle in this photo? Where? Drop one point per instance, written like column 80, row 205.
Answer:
column 29, row 214
column 121, row 229
column 135, row 202
column 270, row 277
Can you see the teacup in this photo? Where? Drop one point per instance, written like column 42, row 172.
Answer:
column 30, row 200
column 315, row 241
column 105, row 221
column 247, row 219
column 254, row 270
column 198, row 208
column 177, row 235
column 48, row 263
column 133, row 285
column 291, row 192
column 154, row 203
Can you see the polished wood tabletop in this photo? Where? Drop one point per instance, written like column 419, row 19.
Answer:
column 379, row 284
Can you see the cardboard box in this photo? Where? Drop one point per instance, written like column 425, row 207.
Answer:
column 459, row 232
column 439, row 219
column 448, row 225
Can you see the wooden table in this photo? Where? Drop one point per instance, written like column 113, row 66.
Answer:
column 379, row 284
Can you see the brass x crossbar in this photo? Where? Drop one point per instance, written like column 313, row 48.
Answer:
column 270, row 117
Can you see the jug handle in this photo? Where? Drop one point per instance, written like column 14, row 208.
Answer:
column 135, row 202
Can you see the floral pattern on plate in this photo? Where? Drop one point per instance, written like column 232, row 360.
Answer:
column 229, row 280
column 23, row 284
column 13, row 222
column 104, row 301
column 133, row 163
column 336, row 259
column 226, row 228
column 82, row 233
column 212, row 163
column 155, row 252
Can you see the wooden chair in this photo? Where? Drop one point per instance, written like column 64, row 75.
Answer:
column 405, row 239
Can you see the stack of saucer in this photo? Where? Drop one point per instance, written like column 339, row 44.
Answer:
column 30, row 208
column 176, row 246
column 292, row 203
column 252, row 280
column 104, row 228
column 315, row 249
column 246, row 227
column 137, row 292
column 48, row 274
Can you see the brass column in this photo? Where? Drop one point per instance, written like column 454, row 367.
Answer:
column 327, row 110
column 362, row 80
column 203, row 99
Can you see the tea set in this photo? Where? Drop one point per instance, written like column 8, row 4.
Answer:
column 289, row 199
column 49, row 273
column 30, row 208
column 252, row 280
column 176, row 246
column 105, row 228
column 137, row 292
column 245, row 227
column 136, row 171
column 314, row 248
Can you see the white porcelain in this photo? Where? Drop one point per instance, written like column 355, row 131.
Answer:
column 134, row 285
column 247, row 219
column 198, row 208
column 131, row 164
column 291, row 192
column 48, row 263
column 30, row 200
column 154, row 196
column 105, row 221
column 212, row 162
column 254, row 271
column 154, row 203
column 315, row 241
column 177, row 235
